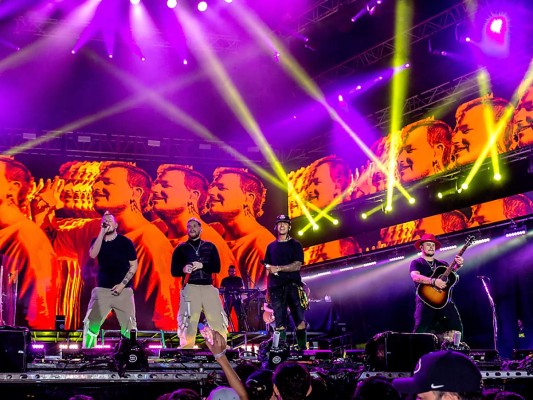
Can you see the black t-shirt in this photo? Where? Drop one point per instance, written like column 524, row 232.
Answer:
column 114, row 261
column 283, row 253
column 232, row 282
column 421, row 265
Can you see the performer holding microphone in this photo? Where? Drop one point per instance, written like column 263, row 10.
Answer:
column 283, row 259
column 117, row 264
column 195, row 261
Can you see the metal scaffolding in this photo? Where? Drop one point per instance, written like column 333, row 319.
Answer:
column 419, row 32
column 61, row 29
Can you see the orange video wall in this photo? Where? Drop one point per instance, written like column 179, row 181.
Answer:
column 422, row 151
column 49, row 217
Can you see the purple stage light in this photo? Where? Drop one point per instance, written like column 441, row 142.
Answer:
column 172, row 3
column 468, row 40
column 202, row 6
column 143, row 58
column 407, row 65
column 496, row 25
column 73, row 51
column 185, row 62
column 341, row 98
column 229, row 1
column 37, row 346
column 496, row 28
column 110, row 55
column 358, row 87
column 134, row 2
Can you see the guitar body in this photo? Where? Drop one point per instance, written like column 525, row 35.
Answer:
column 434, row 297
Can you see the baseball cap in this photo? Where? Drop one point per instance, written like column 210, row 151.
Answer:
column 283, row 218
column 223, row 393
column 444, row 371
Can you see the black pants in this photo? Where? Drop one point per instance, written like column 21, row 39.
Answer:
column 282, row 297
column 431, row 320
column 231, row 302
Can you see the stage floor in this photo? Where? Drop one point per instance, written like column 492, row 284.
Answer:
column 55, row 367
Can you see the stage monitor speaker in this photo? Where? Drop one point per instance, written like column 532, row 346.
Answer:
column 14, row 343
column 398, row 352
column 60, row 322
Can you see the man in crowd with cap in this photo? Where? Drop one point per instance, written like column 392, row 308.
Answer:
column 443, row 375
column 283, row 259
column 436, row 319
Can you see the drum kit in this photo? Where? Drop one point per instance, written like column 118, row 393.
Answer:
column 252, row 306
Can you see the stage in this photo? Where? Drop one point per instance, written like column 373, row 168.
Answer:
column 52, row 365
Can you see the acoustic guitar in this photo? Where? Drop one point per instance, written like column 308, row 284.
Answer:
column 438, row 298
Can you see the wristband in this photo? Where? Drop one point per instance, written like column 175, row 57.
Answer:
column 432, row 281
column 217, row 356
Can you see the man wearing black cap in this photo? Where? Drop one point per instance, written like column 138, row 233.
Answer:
column 443, row 375
column 431, row 319
column 283, row 259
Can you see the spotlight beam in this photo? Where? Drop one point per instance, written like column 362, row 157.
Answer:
column 264, row 37
column 504, row 120
column 231, row 95
column 398, row 88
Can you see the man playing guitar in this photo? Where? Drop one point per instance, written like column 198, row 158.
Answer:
column 434, row 318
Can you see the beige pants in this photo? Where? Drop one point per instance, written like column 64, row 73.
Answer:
column 101, row 303
column 193, row 300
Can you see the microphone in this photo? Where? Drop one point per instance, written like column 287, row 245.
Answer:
column 483, row 277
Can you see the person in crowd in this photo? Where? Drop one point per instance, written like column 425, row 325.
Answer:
column 195, row 261
column 259, row 385
column 443, row 375
column 216, row 343
column 232, row 285
column 283, row 260
column 117, row 265
column 28, row 263
column 376, row 387
column 178, row 194
column 181, row 394
column 236, row 199
column 292, row 381
column 430, row 318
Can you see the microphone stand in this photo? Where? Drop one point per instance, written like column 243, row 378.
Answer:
column 493, row 307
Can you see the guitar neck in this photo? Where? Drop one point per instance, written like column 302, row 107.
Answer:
column 452, row 265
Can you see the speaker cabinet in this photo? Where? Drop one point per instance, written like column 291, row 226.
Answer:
column 398, row 352
column 13, row 349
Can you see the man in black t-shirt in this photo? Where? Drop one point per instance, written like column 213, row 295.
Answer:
column 232, row 296
column 429, row 319
column 117, row 264
column 283, row 259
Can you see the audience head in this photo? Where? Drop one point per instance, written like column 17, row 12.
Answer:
column 443, row 372
column 259, row 385
column 292, row 381
column 223, row 393
column 376, row 387
column 181, row 394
